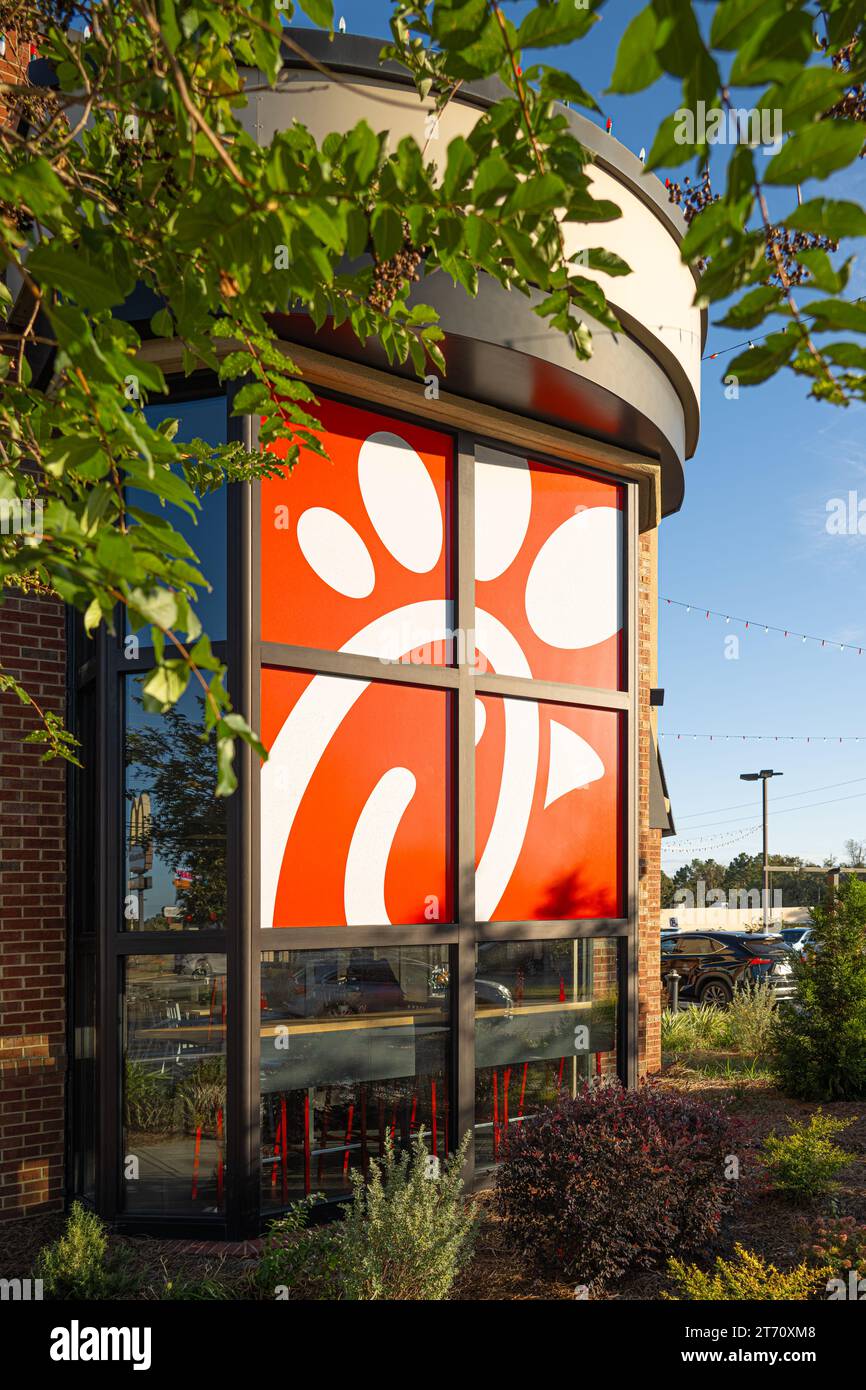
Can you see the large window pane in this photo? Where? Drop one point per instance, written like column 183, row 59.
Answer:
column 545, row 1020
column 355, row 802
column 175, row 828
column 204, row 418
column 174, row 1084
column 548, row 569
column 548, row 820
column 354, row 1045
column 361, row 543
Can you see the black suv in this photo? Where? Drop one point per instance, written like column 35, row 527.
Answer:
column 712, row 964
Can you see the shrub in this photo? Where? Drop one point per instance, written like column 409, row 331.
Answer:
column 819, row 1042
column 691, row 1030
column 406, row 1235
column 840, row 1242
column 304, row 1262
column 746, row 1276
column 805, row 1162
column 677, row 1032
column 614, row 1179
column 79, row 1264
column 751, row 1019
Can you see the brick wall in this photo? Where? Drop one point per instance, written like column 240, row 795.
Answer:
column 32, row 915
column 649, row 841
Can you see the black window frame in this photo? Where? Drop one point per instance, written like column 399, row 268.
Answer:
column 244, row 939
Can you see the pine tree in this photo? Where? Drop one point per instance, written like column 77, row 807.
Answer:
column 820, row 1037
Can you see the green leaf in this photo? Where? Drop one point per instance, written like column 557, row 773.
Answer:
column 164, row 686
column 387, row 229
column 815, row 152
column 549, row 25
column 753, row 308
column 828, row 218
column 636, row 65
column 538, row 193
column 561, row 86
column 837, row 315
column 823, row 274
column 670, row 148
column 321, row 12
column 809, row 94
column 493, row 180
column 68, row 270
column 162, row 324
column 460, row 163
column 775, row 51
column 735, row 20
column 763, row 361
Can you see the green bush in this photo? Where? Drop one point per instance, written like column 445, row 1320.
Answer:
column 79, row 1264
column 750, row 1019
column 805, row 1163
column 693, row 1030
column 298, row 1261
column 819, row 1042
column 406, row 1235
column 746, row 1276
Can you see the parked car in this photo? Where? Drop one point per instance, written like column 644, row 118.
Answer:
column 713, row 964
column 798, row 939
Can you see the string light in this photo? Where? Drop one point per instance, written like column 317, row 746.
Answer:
column 771, row 738
column 750, row 342
column 768, row 627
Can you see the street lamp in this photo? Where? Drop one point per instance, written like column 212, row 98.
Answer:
column 763, row 776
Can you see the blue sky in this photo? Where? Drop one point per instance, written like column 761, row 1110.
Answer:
column 751, row 540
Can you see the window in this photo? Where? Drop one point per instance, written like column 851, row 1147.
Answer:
column 548, row 571
column 354, row 1046
column 175, row 828
column 545, row 1020
column 355, row 802
column 174, row 1084
column 202, row 418
column 363, row 543
column 547, row 811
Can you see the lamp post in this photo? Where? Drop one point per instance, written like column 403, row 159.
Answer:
column 763, row 776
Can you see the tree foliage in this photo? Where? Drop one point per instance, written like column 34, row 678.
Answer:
column 134, row 168
column 820, row 1042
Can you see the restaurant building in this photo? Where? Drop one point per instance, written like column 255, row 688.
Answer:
column 436, row 905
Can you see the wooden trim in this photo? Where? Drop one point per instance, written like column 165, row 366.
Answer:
column 378, row 388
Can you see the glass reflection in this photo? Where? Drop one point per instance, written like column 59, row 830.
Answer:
column 174, row 1104
column 545, row 1020
column 354, row 1045
column 175, row 828
column 203, row 418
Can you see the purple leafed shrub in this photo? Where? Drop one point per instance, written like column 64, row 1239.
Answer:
column 615, row 1180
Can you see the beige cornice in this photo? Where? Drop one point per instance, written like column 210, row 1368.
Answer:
column 375, row 387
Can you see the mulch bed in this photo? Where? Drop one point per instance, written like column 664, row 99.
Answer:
column 761, row 1220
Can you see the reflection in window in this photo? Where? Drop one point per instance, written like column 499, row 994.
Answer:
column 207, row 531
column 175, row 828
column 174, row 1105
column 545, row 1020
column 354, row 1045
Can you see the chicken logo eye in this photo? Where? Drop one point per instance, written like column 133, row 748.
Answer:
column 357, row 558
